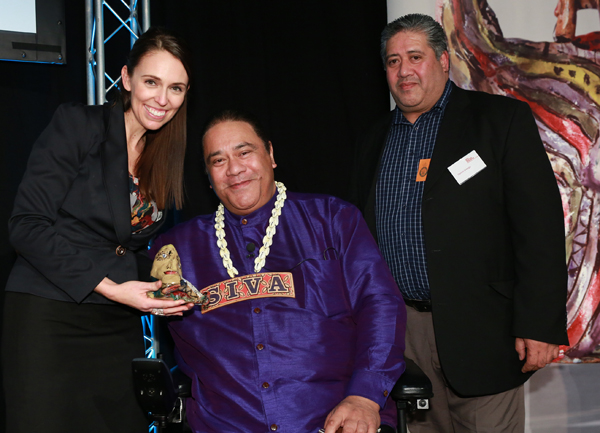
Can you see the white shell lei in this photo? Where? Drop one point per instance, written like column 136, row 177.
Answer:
column 259, row 262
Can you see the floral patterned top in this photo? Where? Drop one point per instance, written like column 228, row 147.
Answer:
column 143, row 212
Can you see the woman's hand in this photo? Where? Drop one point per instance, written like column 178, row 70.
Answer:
column 135, row 294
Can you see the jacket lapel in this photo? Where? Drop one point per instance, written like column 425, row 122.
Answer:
column 115, row 171
column 447, row 149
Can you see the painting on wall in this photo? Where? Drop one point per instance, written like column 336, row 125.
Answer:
column 560, row 79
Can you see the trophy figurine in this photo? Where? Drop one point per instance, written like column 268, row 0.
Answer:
column 167, row 269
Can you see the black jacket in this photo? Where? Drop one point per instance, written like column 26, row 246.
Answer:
column 72, row 209
column 495, row 244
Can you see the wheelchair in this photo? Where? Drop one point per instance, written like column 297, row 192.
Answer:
column 162, row 393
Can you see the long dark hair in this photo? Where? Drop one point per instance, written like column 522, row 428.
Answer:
column 160, row 165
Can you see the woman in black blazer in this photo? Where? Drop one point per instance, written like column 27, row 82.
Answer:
column 97, row 184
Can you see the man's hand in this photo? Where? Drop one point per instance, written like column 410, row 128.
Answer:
column 355, row 414
column 538, row 353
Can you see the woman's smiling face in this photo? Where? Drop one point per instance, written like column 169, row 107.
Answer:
column 158, row 86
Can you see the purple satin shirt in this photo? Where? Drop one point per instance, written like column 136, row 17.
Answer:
column 282, row 364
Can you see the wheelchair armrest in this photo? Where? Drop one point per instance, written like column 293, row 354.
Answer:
column 413, row 384
column 154, row 386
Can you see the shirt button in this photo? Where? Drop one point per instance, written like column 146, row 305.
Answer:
column 385, row 393
column 244, row 221
column 265, row 385
column 273, row 427
column 257, row 310
column 260, row 346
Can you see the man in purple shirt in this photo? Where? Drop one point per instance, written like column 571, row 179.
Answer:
column 305, row 325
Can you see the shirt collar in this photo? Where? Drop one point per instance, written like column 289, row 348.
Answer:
column 259, row 216
column 440, row 105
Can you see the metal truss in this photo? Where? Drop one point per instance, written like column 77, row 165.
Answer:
column 122, row 17
column 150, row 341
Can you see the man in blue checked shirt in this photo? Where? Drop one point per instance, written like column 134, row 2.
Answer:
column 457, row 189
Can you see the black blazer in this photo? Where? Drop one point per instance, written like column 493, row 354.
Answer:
column 495, row 244
column 72, row 209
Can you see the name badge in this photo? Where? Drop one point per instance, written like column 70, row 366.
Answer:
column 263, row 285
column 467, row 167
column 423, row 169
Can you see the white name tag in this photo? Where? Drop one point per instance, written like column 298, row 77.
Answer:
column 467, row 167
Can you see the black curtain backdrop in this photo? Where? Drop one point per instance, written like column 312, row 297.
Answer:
column 310, row 70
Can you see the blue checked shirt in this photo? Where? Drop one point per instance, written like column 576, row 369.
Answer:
column 399, row 196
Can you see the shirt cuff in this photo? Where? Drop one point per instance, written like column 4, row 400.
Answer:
column 373, row 386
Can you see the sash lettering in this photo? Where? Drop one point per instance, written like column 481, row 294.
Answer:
column 264, row 285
